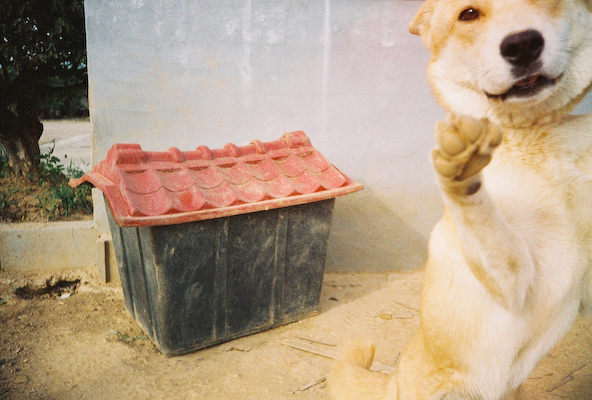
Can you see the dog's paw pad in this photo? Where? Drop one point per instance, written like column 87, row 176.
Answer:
column 494, row 135
column 467, row 128
column 464, row 146
column 445, row 166
column 450, row 144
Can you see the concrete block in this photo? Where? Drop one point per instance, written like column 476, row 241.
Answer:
column 48, row 246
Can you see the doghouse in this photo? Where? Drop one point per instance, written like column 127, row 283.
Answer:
column 216, row 244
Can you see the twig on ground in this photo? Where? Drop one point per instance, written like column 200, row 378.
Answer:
column 312, row 383
column 567, row 378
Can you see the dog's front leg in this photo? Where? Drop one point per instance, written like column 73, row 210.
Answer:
column 496, row 255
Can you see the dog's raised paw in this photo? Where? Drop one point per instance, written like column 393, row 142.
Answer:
column 464, row 146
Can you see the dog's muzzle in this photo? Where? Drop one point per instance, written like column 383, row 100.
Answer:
column 527, row 87
column 523, row 51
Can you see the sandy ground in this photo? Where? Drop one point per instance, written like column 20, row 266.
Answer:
column 86, row 346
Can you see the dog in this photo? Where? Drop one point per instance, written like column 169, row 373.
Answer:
column 509, row 263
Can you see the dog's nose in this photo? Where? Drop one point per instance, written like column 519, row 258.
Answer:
column 521, row 49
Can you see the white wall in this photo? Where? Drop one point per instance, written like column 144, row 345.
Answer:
column 184, row 73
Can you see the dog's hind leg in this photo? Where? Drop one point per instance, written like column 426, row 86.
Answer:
column 496, row 255
column 351, row 378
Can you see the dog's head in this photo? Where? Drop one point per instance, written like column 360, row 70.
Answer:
column 517, row 62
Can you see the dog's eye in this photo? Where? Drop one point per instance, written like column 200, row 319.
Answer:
column 469, row 14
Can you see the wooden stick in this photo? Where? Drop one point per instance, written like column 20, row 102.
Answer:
column 312, row 383
column 321, row 351
column 316, row 341
column 311, row 348
column 567, row 378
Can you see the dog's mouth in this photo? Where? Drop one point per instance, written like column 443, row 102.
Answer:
column 526, row 87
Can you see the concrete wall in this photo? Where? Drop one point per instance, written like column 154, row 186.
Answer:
column 184, row 73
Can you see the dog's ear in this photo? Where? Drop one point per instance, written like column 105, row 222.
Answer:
column 421, row 22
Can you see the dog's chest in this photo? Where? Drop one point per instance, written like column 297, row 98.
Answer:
column 544, row 188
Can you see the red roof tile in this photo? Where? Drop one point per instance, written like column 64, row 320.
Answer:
column 162, row 188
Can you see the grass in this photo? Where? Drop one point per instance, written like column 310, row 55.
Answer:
column 47, row 192
column 6, row 194
column 4, row 167
column 62, row 199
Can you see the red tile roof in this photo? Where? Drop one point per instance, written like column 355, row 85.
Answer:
column 171, row 187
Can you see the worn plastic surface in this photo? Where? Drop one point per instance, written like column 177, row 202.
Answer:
column 162, row 188
column 201, row 283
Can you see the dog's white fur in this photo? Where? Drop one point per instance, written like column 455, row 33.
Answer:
column 509, row 263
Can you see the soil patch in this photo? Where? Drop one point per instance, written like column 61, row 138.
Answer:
column 86, row 346
column 61, row 288
column 29, row 200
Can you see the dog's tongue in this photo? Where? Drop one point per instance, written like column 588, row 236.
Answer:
column 527, row 81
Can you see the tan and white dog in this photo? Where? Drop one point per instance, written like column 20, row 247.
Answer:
column 509, row 263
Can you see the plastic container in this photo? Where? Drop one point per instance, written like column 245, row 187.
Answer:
column 216, row 244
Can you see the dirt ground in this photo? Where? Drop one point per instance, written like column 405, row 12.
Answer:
column 28, row 200
column 75, row 340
